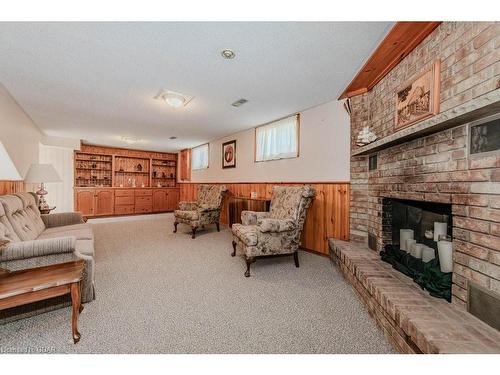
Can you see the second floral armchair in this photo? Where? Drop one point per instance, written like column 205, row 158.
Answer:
column 206, row 210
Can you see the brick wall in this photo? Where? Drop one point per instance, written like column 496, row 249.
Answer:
column 437, row 168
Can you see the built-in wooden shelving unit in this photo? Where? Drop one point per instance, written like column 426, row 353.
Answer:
column 93, row 170
column 116, row 181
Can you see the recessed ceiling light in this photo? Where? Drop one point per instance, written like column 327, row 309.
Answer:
column 173, row 99
column 228, row 54
column 130, row 140
column 239, row 102
column 173, row 137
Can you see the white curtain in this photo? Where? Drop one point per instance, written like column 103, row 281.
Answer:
column 199, row 157
column 60, row 193
column 277, row 140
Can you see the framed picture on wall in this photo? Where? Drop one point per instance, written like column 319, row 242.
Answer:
column 418, row 98
column 229, row 154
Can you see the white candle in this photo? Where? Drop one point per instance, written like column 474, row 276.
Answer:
column 427, row 254
column 404, row 234
column 445, row 252
column 409, row 244
column 418, row 250
column 414, row 250
column 439, row 228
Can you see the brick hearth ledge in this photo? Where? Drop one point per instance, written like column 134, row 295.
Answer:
column 413, row 321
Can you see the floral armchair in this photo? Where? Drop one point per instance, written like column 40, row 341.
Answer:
column 276, row 232
column 206, row 210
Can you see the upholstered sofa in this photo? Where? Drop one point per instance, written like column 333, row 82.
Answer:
column 276, row 232
column 29, row 239
column 206, row 210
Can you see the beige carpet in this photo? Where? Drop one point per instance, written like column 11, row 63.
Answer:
column 159, row 292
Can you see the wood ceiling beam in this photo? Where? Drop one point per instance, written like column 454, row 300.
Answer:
column 399, row 42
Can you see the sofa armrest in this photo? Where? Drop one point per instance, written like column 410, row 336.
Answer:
column 275, row 225
column 62, row 219
column 37, row 248
column 188, row 206
column 252, row 217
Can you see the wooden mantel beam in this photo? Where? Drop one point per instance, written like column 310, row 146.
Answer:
column 399, row 42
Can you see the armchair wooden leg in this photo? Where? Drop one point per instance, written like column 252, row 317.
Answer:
column 175, row 226
column 296, row 258
column 194, row 232
column 249, row 261
column 234, row 249
column 218, row 227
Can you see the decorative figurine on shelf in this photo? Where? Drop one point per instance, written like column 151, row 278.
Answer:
column 171, row 175
column 139, row 167
column 154, row 174
column 365, row 136
column 163, row 175
column 133, row 182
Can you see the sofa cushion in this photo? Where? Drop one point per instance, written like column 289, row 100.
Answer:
column 85, row 247
column 6, row 231
column 79, row 231
column 23, row 215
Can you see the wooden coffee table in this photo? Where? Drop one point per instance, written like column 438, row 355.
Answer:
column 37, row 284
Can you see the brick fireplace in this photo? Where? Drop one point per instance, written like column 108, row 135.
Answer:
column 431, row 161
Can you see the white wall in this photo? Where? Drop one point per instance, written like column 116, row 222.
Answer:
column 60, row 193
column 18, row 133
column 324, row 152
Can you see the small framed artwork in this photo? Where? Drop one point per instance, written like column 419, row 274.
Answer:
column 484, row 136
column 418, row 98
column 229, row 154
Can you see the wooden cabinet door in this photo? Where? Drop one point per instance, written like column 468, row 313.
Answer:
column 104, row 202
column 84, row 201
column 172, row 199
column 159, row 200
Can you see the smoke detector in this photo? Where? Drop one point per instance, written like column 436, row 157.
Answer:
column 228, row 54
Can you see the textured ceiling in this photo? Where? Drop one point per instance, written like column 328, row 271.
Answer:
column 96, row 81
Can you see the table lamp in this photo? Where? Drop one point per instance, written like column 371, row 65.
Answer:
column 8, row 170
column 42, row 173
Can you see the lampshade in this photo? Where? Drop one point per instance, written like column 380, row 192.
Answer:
column 39, row 173
column 8, row 170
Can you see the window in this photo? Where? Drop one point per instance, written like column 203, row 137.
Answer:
column 199, row 157
column 277, row 140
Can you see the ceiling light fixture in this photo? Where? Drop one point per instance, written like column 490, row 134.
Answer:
column 173, row 99
column 228, row 54
column 172, row 137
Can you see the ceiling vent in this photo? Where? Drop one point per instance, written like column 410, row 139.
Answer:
column 172, row 137
column 239, row 102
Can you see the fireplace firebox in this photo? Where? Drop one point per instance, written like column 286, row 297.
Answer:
column 418, row 216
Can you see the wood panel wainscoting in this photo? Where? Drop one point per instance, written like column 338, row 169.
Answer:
column 327, row 217
column 11, row 187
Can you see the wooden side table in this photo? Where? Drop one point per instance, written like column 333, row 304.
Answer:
column 239, row 204
column 36, row 284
